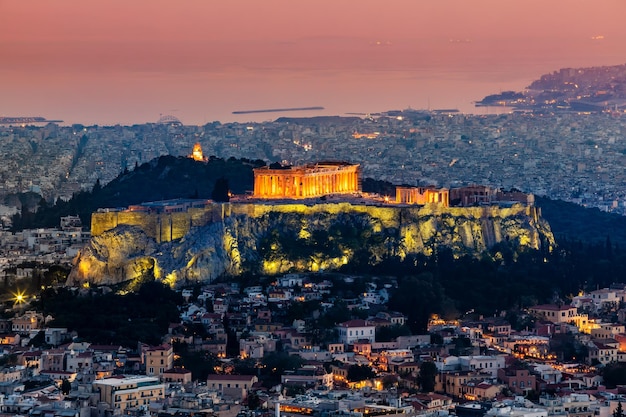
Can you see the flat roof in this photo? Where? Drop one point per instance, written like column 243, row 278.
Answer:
column 127, row 380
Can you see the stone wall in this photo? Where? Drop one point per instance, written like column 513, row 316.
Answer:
column 163, row 227
column 230, row 238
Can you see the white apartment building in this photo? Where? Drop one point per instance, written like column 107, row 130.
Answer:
column 355, row 330
column 129, row 392
column 481, row 363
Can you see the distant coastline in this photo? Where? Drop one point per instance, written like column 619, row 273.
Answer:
column 26, row 120
column 278, row 110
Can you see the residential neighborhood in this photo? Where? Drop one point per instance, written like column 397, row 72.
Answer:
column 281, row 344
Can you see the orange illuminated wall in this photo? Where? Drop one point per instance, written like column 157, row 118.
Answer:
column 423, row 195
column 307, row 181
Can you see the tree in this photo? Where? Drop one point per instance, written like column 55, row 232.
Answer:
column 426, row 377
column 221, row 192
column 619, row 412
column 97, row 187
column 360, row 373
column 254, row 401
column 66, row 387
column 417, row 297
column 389, row 333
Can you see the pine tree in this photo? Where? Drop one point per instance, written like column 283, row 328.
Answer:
column 619, row 412
column 66, row 387
column 221, row 192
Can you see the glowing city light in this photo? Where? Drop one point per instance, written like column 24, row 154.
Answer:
column 19, row 297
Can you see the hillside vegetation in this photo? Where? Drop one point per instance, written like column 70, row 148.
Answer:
column 589, row 252
column 163, row 178
column 170, row 177
column 572, row 222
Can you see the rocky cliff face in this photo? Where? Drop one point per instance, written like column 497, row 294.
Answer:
column 274, row 239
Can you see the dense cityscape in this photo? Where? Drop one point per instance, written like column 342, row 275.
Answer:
column 299, row 343
column 568, row 156
column 312, row 209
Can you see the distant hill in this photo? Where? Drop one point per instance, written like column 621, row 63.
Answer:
column 576, row 223
column 579, row 89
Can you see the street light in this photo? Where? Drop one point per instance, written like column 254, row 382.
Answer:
column 19, row 297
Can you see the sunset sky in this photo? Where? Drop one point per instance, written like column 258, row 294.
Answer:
column 127, row 61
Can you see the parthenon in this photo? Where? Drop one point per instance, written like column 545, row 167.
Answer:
column 313, row 180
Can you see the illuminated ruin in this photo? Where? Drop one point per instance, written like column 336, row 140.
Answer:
column 196, row 153
column 314, row 180
column 423, row 195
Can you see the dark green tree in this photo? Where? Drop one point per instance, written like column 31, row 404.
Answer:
column 619, row 412
column 417, row 297
column 389, row 333
column 66, row 387
column 97, row 187
column 221, row 192
column 426, row 377
column 360, row 373
column 614, row 374
column 276, row 363
column 254, row 401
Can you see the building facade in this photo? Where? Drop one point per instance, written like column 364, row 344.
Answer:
column 308, row 181
column 158, row 359
column 554, row 313
column 129, row 392
column 355, row 330
column 423, row 195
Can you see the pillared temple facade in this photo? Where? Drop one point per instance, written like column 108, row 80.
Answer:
column 423, row 195
column 308, row 181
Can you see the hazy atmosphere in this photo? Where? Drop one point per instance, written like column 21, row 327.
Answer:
column 128, row 62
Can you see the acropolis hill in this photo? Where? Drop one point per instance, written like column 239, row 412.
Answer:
column 200, row 240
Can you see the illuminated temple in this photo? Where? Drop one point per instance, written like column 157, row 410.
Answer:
column 308, row 181
column 423, row 195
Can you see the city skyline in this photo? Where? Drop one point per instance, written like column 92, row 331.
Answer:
column 109, row 63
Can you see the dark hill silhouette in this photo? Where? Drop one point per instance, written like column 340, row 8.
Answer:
column 573, row 222
column 170, row 177
column 164, row 178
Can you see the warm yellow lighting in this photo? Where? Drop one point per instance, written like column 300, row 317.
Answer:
column 196, row 153
column 170, row 279
column 20, row 297
column 271, row 267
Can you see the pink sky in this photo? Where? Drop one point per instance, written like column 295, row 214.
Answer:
column 120, row 61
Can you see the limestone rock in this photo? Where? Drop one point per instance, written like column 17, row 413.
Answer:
column 274, row 239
